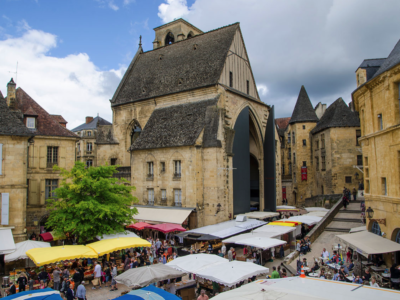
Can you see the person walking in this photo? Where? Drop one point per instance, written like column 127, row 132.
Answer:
column 77, row 279
column 354, row 194
column 70, row 293
column 56, row 279
column 97, row 274
column 22, row 282
column 81, row 291
column 230, row 254
column 113, row 275
column 344, row 200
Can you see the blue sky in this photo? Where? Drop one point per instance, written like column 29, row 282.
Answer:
column 72, row 54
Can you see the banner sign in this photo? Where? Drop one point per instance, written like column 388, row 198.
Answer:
column 303, row 173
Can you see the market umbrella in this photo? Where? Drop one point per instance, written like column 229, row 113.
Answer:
column 140, row 277
column 117, row 235
column 194, row 262
column 139, row 225
column 44, row 256
column 149, row 293
column 22, row 247
column 107, row 246
column 167, row 227
column 47, row 293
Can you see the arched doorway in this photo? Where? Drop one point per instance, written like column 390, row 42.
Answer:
column 254, row 184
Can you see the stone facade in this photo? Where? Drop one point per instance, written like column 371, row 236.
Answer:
column 377, row 101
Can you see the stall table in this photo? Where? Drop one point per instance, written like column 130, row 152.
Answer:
column 377, row 269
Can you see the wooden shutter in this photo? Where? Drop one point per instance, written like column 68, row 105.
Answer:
column 42, row 191
column 32, row 161
column 33, row 192
column 62, row 157
column 42, row 157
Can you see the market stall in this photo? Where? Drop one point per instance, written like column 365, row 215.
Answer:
column 117, row 235
column 139, row 225
column 194, row 262
column 7, row 244
column 148, row 293
column 44, row 294
column 107, row 246
column 20, row 252
column 264, row 243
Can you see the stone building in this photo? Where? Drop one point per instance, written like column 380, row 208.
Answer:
column 86, row 147
column 191, row 118
column 377, row 100
column 319, row 154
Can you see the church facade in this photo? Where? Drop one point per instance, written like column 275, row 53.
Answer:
column 188, row 120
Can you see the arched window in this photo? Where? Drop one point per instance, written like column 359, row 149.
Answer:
column 136, row 130
column 376, row 228
column 190, row 35
column 397, row 240
column 169, row 39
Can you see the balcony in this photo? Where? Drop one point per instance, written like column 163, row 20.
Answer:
column 123, row 172
column 163, row 202
column 88, row 152
column 150, row 177
column 179, row 204
column 177, row 176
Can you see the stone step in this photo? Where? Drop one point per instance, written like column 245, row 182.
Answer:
column 347, row 220
column 337, row 229
column 348, row 211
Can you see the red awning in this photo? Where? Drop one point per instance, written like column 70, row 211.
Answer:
column 46, row 237
column 167, row 227
column 139, row 225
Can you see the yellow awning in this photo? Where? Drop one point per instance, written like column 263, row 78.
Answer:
column 44, row 256
column 111, row 245
column 282, row 224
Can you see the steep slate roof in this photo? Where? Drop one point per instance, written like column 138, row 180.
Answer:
column 105, row 135
column 303, row 110
column 92, row 124
column 9, row 122
column 46, row 124
column 59, row 119
column 181, row 125
column 338, row 114
column 176, row 67
column 392, row 60
column 371, row 66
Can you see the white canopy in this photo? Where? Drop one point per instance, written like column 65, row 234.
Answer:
column 306, row 289
column 367, row 243
column 228, row 228
column 286, row 207
column 21, row 249
column 194, row 262
column 7, row 244
column 162, row 215
column 317, row 213
column 306, row 219
column 272, row 229
column 309, row 209
column 117, row 235
column 261, row 242
column 358, row 229
column 239, row 237
column 261, row 214
column 231, row 273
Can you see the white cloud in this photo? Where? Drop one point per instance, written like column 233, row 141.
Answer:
column 262, row 89
column 127, row 2
column 173, row 9
column 71, row 86
column 112, row 5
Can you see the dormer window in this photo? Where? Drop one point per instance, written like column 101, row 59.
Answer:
column 31, row 122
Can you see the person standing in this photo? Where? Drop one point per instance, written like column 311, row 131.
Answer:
column 223, row 250
column 70, row 293
column 43, row 276
column 97, row 274
column 81, row 291
column 230, row 254
column 273, row 252
column 22, row 282
column 203, row 295
column 65, row 273
column 113, row 275
column 56, row 279
column 275, row 273
column 77, row 279
column 12, row 290
column 354, row 194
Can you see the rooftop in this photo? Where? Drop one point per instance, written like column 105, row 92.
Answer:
column 303, row 110
column 10, row 124
column 92, row 124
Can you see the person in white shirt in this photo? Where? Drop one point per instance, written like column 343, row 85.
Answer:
column 223, row 249
column 97, row 273
column 325, row 254
column 373, row 282
column 298, row 246
column 273, row 252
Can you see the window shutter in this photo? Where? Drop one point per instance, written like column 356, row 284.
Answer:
column 1, row 159
column 42, row 157
column 62, row 157
column 42, row 192
column 32, row 157
column 33, row 192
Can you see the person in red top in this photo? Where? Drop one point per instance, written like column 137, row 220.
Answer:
column 348, row 256
column 203, row 295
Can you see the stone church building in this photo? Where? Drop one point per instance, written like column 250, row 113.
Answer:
column 188, row 120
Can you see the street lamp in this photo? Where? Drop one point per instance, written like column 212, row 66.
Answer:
column 370, row 212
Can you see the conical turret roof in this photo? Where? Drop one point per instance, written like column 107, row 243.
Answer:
column 303, row 110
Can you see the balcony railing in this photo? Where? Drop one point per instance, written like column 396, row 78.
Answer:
column 163, row 201
column 123, row 172
column 178, row 204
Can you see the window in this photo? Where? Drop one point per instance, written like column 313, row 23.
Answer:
column 304, row 164
column 322, row 141
column 293, row 137
column 89, row 133
column 30, row 123
column 178, row 197
column 177, row 168
column 290, row 168
column 169, row 39
column 304, row 142
column 89, row 146
column 358, row 135
column 294, row 158
column 163, row 194
column 322, row 163
column 150, row 169
column 367, row 186
column 317, row 163
column 248, row 87
column 304, row 126
column 380, row 122
column 317, row 145
column 150, row 198
column 348, row 179
column 230, row 79
column 79, row 147
column 289, row 154
column 52, row 156
column 294, row 177
column 359, row 160
column 288, row 139
column 50, row 186
column 376, row 228
column 384, row 186
column 283, row 169
column 162, row 167
column 89, row 163
column 113, row 161
column 367, row 172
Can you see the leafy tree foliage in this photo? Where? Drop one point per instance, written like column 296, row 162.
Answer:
column 90, row 202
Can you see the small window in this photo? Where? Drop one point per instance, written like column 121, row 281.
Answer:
column 366, row 172
column 366, row 161
column 113, row 161
column 317, row 145
column 367, row 186
column 380, row 122
column 358, row 135
column 289, row 154
column 304, row 126
column 162, row 167
column 163, row 194
column 293, row 137
column 230, row 79
column 294, row 177
column 79, row 147
column 288, row 139
column 51, row 185
column 304, row 164
column 180, row 81
column 169, row 39
column 248, row 87
column 322, row 141
column 52, row 156
column 304, row 142
column 322, row 163
column 376, row 228
column 89, row 163
column 359, row 160
column 178, row 197
column 290, row 168
column 30, row 123
column 177, row 168
column 294, row 158
column 89, row 133
column 384, row 186
column 317, row 163
column 89, row 146
column 348, row 179
column 283, row 169
column 150, row 169
column 150, row 195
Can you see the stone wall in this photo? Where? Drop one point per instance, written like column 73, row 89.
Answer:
column 319, row 200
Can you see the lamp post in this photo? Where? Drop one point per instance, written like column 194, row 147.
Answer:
column 370, row 212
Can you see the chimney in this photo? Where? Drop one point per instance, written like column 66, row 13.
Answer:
column 89, row 119
column 11, row 93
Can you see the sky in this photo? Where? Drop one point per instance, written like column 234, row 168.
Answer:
column 72, row 54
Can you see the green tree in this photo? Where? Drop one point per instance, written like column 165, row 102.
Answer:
column 90, row 202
